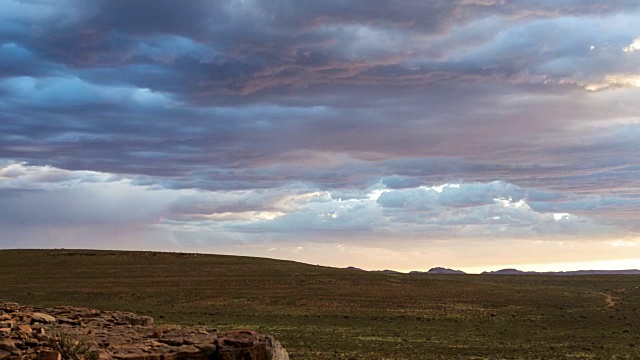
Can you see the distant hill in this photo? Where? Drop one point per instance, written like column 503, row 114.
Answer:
column 507, row 272
column 577, row 272
column 439, row 271
column 387, row 271
column 598, row 272
column 353, row 268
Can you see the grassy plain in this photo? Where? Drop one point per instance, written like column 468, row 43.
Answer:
column 327, row 313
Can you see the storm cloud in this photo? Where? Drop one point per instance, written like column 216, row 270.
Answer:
column 372, row 124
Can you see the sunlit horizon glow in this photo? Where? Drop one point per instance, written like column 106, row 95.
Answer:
column 616, row 264
column 397, row 135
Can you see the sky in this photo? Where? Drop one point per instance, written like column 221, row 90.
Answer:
column 470, row 134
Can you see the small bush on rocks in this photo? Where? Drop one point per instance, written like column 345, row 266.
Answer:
column 72, row 349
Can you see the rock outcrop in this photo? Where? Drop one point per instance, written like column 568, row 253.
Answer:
column 62, row 332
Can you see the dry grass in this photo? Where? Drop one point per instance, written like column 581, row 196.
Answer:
column 326, row 313
column 71, row 348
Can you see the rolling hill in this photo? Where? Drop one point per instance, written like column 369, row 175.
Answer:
column 328, row 313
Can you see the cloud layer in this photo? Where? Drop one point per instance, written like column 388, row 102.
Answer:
column 389, row 125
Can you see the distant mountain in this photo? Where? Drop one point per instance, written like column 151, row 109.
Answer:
column 353, row 268
column 439, row 271
column 387, row 271
column 577, row 272
column 447, row 271
column 507, row 272
column 597, row 272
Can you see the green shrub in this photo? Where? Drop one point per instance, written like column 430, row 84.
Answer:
column 72, row 349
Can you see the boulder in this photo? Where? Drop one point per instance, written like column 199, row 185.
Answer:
column 49, row 355
column 42, row 318
column 25, row 329
column 249, row 345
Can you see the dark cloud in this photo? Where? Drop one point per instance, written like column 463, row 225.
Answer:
column 203, row 50
column 474, row 118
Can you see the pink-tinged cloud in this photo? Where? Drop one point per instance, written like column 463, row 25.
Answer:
column 381, row 126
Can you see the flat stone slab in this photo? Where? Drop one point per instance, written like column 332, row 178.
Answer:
column 32, row 332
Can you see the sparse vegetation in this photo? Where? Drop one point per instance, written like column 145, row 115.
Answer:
column 71, row 348
column 326, row 313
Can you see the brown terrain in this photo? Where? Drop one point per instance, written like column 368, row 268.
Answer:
column 66, row 332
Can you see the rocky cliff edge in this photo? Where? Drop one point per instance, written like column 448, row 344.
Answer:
column 70, row 333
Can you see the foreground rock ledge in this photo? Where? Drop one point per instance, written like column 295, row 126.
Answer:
column 26, row 332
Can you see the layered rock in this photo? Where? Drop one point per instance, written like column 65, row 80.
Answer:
column 30, row 333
